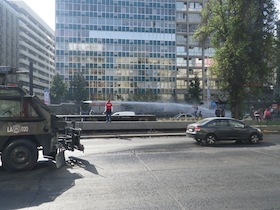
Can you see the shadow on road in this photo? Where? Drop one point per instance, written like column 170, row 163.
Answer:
column 74, row 161
column 43, row 184
column 232, row 144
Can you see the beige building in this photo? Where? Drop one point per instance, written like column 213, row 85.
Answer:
column 193, row 59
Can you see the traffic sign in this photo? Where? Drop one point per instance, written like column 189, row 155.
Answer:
column 5, row 69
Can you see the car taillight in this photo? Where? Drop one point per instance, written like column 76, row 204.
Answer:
column 197, row 128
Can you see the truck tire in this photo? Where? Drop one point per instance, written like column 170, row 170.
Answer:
column 20, row 155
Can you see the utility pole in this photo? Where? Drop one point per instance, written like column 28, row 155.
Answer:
column 30, row 78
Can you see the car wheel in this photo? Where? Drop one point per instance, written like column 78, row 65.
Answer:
column 254, row 138
column 210, row 139
column 20, row 155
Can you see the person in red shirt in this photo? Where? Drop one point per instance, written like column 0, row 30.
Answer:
column 267, row 115
column 108, row 110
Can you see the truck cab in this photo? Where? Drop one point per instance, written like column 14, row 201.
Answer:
column 27, row 126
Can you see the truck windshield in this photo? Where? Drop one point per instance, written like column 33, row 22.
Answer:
column 16, row 109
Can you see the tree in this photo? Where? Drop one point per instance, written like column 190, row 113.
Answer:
column 78, row 91
column 277, row 87
column 195, row 90
column 58, row 89
column 242, row 34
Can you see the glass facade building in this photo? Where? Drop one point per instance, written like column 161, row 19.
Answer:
column 122, row 47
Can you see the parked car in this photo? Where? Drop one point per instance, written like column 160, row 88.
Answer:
column 124, row 113
column 210, row 130
column 247, row 117
column 184, row 116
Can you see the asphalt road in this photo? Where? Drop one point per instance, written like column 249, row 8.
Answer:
column 151, row 173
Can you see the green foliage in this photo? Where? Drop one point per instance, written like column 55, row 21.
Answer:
column 242, row 33
column 194, row 90
column 78, row 91
column 277, row 43
column 58, row 90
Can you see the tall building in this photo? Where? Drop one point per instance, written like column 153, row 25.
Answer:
column 34, row 41
column 8, row 35
column 122, row 47
column 193, row 58
column 126, row 47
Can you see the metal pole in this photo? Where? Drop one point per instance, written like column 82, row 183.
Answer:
column 49, row 63
column 30, row 78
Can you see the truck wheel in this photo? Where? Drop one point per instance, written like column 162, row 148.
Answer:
column 20, row 155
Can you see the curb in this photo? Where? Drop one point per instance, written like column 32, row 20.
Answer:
column 130, row 135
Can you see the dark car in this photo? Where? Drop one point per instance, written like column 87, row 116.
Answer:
column 210, row 130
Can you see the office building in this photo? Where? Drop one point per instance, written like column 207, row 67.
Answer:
column 126, row 47
column 8, row 35
column 34, row 41
column 122, row 47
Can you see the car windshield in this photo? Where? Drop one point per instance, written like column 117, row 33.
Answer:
column 176, row 116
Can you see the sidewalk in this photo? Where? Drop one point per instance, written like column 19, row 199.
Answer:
column 269, row 128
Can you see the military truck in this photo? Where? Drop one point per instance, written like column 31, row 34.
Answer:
column 28, row 126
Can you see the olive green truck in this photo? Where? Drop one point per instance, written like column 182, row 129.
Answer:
column 28, row 126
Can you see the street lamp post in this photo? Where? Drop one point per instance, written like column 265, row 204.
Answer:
column 47, row 90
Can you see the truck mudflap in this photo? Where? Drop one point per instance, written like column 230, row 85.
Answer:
column 69, row 141
column 60, row 159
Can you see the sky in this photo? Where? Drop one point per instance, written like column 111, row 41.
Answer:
column 46, row 10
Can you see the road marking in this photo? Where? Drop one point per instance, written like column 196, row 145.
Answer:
column 158, row 180
column 265, row 178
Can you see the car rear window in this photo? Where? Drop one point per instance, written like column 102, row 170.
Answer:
column 236, row 124
column 218, row 122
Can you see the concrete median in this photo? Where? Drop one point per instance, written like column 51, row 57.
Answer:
column 146, row 126
column 131, row 126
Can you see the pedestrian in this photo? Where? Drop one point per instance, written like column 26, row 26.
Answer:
column 199, row 115
column 91, row 112
column 222, row 112
column 195, row 111
column 272, row 113
column 267, row 115
column 218, row 112
column 257, row 116
column 108, row 110
column 195, row 114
